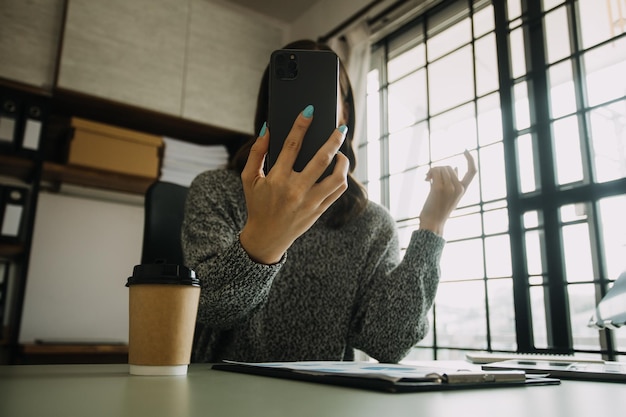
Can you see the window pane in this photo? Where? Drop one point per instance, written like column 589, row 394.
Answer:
column 483, row 21
column 568, row 162
column 548, row 4
column 489, row 119
column 374, row 191
column 461, row 315
column 486, row 65
column 361, row 167
column 373, row 81
column 562, row 94
column 613, row 229
column 516, row 46
column 373, row 117
column 462, row 260
column 496, row 221
column 534, row 251
column 498, row 256
column 453, row 132
column 501, row 314
column 556, row 35
column 571, row 213
column 600, row 20
column 538, row 313
column 449, row 39
column 492, row 172
column 514, row 8
column 408, row 148
column 406, row 62
column 373, row 170
column 522, row 109
column 582, row 304
column 526, row 164
column 531, row 219
column 407, row 193
column 463, row 227
column 451, row 81
column 608, row 137
column 577, row 253
column 407, row 101
column 605, row 68
column 405, row 231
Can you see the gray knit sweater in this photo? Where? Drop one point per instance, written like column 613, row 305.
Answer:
column 333, row 291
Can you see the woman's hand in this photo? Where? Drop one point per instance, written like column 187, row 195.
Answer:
column 445, row 192
column 284, row 204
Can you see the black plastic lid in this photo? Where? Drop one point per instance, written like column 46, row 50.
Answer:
column 163, row 274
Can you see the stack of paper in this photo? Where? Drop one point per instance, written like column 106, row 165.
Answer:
column 183, row 161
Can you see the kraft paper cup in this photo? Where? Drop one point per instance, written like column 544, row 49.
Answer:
column 163, row 303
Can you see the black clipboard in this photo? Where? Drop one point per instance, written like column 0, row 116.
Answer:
column 427, row 383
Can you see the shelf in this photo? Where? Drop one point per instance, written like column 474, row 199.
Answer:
column 95, row 178
column 72, row 353
column 17, row 167
column 10, row 250
column 74, row 348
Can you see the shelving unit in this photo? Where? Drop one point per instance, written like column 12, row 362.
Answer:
column 47, row 170
column 59, row 173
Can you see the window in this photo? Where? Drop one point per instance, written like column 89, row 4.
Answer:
column 535, row 89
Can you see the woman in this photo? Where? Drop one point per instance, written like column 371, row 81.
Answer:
column 292, row 269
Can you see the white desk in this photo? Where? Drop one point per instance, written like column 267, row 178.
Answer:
column 108, row 390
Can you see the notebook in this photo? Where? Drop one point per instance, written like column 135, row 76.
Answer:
column 588, row 371
column 387, row 377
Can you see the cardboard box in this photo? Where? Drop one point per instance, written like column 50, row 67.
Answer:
column 111, row 148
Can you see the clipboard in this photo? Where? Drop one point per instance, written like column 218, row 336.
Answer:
column 393, row 378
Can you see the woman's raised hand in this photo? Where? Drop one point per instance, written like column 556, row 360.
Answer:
column 284, row 204
column 445, row 192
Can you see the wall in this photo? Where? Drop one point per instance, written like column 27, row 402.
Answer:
column 324, row 16
column 83, row 251
column 84, row 247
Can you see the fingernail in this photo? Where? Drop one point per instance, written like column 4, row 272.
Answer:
column 343, row 129
column 308, row 111
column 263, row 130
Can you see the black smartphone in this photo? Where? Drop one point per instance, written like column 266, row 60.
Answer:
column 298, row 78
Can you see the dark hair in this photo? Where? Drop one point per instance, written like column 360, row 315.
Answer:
column 354, row 200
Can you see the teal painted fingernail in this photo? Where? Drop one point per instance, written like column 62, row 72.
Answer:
column 263, row 130
column 308, row 111
column 343, row 129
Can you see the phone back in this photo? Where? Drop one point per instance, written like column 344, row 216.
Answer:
column 299, row 78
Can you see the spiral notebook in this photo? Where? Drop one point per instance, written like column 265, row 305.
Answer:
column 387, row 377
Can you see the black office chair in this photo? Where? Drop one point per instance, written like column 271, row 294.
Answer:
column 164, row 212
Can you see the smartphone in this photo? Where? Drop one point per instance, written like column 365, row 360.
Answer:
column 298, row 78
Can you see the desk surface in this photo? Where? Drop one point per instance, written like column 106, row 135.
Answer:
column 108, row 390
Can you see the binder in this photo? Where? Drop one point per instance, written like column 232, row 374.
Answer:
column 4, row 284
column 12, row 208
column 9, row 113
column 393, row 378
column 22, row 120
column 33, row 124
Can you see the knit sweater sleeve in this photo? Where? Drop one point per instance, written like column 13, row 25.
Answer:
column 232, row 285
column 390, row 313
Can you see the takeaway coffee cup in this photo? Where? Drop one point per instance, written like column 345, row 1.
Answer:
column 163, row 303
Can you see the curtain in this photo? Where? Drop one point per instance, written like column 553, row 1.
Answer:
column 353, row 48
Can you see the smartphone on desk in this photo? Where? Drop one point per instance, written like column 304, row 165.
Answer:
column 298, row 78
